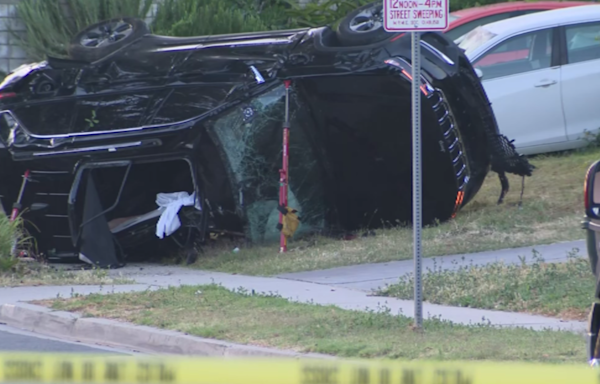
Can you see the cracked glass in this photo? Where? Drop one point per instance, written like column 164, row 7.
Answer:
column 251, row 137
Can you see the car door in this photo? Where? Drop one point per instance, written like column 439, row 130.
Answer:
column 522, row 82
column 580, row 78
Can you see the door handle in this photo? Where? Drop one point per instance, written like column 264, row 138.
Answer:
column 545, row 83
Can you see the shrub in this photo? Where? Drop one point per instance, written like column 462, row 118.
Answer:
column 8, row 232
column 204, row 17
column 317, row 13
column 50, row 24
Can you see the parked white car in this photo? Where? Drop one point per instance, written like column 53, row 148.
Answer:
column 541, row 73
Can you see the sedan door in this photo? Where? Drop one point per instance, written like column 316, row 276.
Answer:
column 580, row 78
column 522, row 80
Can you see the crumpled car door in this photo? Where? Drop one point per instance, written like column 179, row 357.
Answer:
column 90, row 231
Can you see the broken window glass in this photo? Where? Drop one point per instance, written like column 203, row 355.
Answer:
column 251, row 137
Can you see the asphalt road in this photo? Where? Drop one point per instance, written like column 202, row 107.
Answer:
column 12, row 339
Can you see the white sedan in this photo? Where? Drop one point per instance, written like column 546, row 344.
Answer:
column 541, row 73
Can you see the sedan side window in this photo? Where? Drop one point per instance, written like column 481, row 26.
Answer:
column 519, row 54
column 461, row 30
column 583, row 42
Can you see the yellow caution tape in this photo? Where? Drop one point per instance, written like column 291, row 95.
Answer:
column 91, row 369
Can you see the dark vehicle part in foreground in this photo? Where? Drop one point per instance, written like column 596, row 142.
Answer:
column 141, row 144
column 591, row 225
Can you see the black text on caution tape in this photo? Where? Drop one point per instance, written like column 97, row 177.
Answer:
column 320, row 374
column 87, row 371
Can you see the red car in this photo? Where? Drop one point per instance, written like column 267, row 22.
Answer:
column 468, row 19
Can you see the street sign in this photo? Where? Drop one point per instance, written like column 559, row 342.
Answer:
column 415, row 15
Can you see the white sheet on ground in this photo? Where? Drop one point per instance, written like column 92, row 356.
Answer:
column 172, row 202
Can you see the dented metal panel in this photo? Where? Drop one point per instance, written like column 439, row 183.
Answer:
column 217, row 103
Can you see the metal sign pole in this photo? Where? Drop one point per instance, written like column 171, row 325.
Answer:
column 417, row 17
column 416, row 146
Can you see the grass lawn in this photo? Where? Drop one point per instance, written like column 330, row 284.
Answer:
column 32, row 273
column 551, row 211
column 214, row 312
column 564, row 290
column 17, row 272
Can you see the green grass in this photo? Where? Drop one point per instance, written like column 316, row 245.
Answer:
column 33, row 273
column 214, row 312
column 564, row 290
column 16, row 272
column 8, row 231
column 51, row 24
column 551, row 211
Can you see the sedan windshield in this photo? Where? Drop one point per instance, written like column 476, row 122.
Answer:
column 475, row 39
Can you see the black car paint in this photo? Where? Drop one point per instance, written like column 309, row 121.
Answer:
column 157, row 96
column 591, row 225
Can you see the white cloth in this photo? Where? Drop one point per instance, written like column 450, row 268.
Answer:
column 172, row 202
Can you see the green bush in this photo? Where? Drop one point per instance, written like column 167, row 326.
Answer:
column 50, row 24
column 8, row 232
column 317, row 13
column 204, row 17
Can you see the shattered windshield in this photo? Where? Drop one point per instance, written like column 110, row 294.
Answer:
column 251, row 138
column 475, row 39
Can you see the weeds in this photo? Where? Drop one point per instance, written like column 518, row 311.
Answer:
column 265, row 319
column 551, row 212
column 209, row 17
column 50, row 24
column 31, row 273
column 593, row 139
column 556, row 289
column 12, row 237
column 15, row 271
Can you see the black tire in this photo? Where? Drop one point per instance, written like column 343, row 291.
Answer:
column 363, row 26
column 106, row 37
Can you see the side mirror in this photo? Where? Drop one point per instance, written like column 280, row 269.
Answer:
column 591, row 191
column 479, row 73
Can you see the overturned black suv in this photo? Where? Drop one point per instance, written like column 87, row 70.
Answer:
column 139, row 143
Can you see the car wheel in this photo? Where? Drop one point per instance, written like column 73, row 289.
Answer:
column 104, row 38
column 363, row 26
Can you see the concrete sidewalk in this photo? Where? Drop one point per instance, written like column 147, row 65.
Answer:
column 343, row 287
column 372, row 277
column 156, row 277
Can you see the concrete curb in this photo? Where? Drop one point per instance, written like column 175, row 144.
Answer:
column 71, row 326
